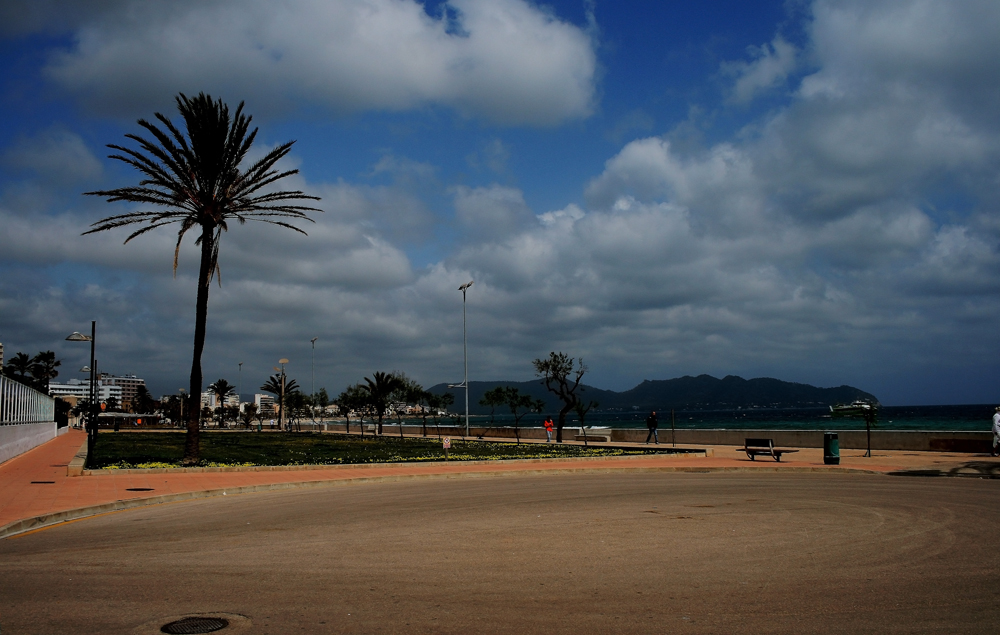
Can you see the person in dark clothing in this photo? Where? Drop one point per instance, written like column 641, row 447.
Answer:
column 651, row 424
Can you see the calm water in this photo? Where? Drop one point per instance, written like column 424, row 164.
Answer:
column 969, row 417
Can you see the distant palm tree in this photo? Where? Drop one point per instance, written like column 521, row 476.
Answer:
column 273, row 386
column 143, row 402
column 18, row 368
column 380, row 392
column 222, row 389
column 196, row 180
column 43, row 369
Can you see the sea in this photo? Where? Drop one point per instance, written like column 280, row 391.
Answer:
column 951, row 418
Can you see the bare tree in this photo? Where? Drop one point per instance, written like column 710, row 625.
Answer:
column 562, row 377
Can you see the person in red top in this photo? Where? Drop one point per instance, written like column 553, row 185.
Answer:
column 548, row 430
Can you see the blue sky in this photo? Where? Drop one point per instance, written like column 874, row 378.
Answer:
column 801, row 190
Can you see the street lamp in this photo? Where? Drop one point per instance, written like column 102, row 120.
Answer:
column 92, row 418
column 281, row 404
column 182, row 391
column 465, row 352
column 312, row 385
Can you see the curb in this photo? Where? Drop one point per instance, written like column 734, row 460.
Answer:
column 78, row 462
column 56, row 518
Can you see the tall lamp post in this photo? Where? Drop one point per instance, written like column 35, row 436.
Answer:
column 465, row 353
column 92, row 415
column 281, row 404
column 312, row 384
column 182, row 391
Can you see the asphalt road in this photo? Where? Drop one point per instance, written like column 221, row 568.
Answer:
column 616, row 553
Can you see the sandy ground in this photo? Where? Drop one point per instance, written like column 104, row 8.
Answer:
column 670, row 552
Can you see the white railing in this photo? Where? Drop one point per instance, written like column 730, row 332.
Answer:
column 21, row 404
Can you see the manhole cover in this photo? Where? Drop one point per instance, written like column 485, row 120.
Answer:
column 145, row 489
column 194, row 625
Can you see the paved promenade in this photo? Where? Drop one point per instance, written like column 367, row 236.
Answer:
column 35, row 490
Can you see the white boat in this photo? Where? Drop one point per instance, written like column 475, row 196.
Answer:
column 856, row 408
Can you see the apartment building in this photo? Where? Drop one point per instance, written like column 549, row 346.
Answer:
column 129, row 384
column 80, row 388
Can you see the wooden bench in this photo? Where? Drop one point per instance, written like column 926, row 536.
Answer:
column 762, row 447
column 597, row 436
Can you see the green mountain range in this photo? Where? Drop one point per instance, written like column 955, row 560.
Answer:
column 703, row 392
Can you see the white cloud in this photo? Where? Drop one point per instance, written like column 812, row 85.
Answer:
column 569, row 214
column 504, row 60
column 491, row 212
column 770, row 67
column 56, row 155
column 850, row 233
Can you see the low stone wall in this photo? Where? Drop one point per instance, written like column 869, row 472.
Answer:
column 19, row 438
column 916, row 441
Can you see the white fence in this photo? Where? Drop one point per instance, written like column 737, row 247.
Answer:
column 20, row 404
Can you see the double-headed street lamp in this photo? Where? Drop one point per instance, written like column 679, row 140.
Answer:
column 92, row 415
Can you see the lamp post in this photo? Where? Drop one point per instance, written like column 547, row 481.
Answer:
column 92, row 415
column 312, row 384
column 182, row 391
column 281, row 404
column 465, row 353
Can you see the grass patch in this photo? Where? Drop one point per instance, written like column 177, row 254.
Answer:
column 243, row 449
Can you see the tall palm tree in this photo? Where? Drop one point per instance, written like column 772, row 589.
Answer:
column 196, row 180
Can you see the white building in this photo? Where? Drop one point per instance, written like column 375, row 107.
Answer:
column 81, row 388
column 211, row 400
column 265, row 403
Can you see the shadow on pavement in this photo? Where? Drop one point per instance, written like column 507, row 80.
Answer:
column 969, row 469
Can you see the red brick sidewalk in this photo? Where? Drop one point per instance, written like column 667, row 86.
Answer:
column 35, row 490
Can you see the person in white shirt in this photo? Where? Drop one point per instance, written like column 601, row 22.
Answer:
column 996, row 431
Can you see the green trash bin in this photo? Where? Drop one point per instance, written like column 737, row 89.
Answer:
column 831, row 448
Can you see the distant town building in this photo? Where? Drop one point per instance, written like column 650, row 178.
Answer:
column 265, row 403
column 80, row 388
column 129, row 384
column 210, row 399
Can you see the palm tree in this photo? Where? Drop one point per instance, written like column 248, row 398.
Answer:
column 380, row 391
column 195, row 180
column 222, row 389
column 143, row 402
column 273, row 386
column 18, row 368
column 43, row 369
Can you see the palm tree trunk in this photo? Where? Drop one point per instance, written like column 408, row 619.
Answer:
column 191, row 442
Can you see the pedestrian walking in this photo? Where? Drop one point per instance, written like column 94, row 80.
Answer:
column 996, row 431
column 548, row 430
column 651, row 424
